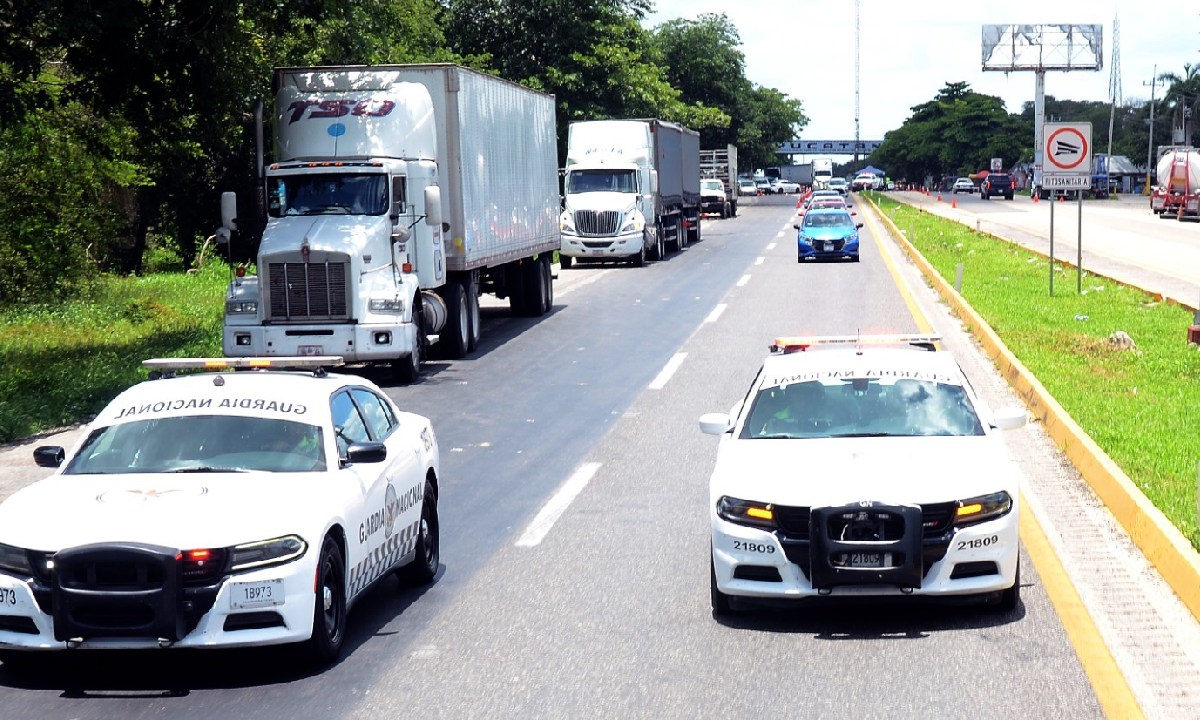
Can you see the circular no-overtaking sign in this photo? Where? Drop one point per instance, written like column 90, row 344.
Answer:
column 1066, row 149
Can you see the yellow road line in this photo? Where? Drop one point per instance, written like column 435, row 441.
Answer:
column 1111, row 688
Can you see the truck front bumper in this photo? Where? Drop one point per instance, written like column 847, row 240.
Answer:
column 354, row 343
column 602, row 248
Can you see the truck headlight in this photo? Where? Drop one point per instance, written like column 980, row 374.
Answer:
column 387, row 305
column 635, row 223
column 566, row 222
column 982, row 508
column 276, row 551
column 241, row 307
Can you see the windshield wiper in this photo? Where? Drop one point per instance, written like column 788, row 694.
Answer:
column 869, row 434
column 208, row 469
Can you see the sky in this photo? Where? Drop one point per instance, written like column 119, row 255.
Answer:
column 910, row 50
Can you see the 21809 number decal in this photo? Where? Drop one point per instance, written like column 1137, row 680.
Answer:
column 753, row 547
column 977, row 543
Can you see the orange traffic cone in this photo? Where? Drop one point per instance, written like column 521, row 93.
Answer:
column 954, row 202
column 1035, row 196
column 939, row 197
column 1062, row 198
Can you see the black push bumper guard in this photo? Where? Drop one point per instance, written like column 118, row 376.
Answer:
column 891, row 532
column 124, row 590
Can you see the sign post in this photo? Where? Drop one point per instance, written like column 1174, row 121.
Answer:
column 1068, row 166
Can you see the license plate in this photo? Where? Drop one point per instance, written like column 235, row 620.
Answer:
column 828, row 247
column 312, row 350
column 867, row 560
column 264, row 593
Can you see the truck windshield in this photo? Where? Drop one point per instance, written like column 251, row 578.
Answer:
column 328, row 194
column 585, row 181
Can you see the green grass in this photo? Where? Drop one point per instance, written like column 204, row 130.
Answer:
column 1141, row 406
column 61, row 363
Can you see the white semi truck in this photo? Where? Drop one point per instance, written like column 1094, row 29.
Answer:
column 822, row 172
column 397, row 195
column 631, row 190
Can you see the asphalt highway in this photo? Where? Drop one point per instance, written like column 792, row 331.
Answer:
column 602, row 610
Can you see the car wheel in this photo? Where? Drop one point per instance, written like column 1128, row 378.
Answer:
column 407, row 369
column 424, row 567
column 329, row 605
column 721, row 604
column 1010, row 598
column 564, row 262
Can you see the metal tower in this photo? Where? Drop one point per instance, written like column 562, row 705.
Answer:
column 1114, row 85
column 857, row 37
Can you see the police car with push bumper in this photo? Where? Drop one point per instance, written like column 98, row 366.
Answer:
column 862, row 466
column 219, row 509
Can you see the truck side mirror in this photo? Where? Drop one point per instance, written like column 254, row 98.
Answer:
column 433, row 205
column 229, row 210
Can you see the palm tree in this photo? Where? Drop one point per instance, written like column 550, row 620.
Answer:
column 1182, row 100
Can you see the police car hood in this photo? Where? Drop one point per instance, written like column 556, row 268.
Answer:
column 835, row 471
column 178, row 510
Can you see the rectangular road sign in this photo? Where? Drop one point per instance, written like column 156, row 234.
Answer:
column 1066, row 182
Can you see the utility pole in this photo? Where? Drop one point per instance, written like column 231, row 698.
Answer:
column 857, row 51
column 1154, row 81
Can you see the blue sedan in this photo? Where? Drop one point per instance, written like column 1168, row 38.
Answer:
column 827, row 234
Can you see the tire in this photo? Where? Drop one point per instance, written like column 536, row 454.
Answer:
column 660, row 245
column 455, row 340
column 534, row 284
column 1008, row 196
column 407, row 369
column 721, row 605
column 424, row 567
column 724, row 211
column 639, row 260
column 733, row 209
column 681, row 234
column 695, row 237
column 547, row 286
column 471, row 290
column 1011, row 598
column 564, row 262
column 329, row 605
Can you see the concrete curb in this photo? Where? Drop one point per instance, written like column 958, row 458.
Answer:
column 1159, row 540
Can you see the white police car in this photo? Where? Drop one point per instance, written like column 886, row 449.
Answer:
column 862, row 466
column 218, row 509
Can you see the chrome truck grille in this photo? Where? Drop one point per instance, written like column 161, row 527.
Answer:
column 308, row 291
column 597, row 223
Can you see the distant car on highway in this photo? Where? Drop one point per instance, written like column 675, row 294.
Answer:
column 963, row 185
column 996, row 185
column 839, row 184
column 787, row 187
column 747, row 187
column 827, row 233
column 862, row 466
column 250, row 505
column 765, row 187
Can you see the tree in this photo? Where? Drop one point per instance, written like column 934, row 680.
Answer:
column 1180, row 102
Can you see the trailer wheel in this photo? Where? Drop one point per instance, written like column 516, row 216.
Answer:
column 548, row 274
column 681, row 234
column 564, row 261
column 533, row 285
column 725, row 211
column 471, row 290
column 695, row 236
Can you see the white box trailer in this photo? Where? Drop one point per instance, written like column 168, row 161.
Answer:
column 631, row 189
column 721, row 164
column 398, row 194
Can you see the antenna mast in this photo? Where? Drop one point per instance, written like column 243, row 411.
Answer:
column 857, row 38
column 1114, row 89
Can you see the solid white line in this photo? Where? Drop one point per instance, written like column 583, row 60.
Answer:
column 759, row 260
column 770, row 246
column 716, row 313
column 743, row 280
column 668, row 370
column 557, row 505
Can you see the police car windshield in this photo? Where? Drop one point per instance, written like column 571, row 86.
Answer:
column 201, row 443
column 861, row 407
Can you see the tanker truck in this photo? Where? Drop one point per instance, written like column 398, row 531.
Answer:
column 1177, row 193
column 631, row 190
column 397, row 195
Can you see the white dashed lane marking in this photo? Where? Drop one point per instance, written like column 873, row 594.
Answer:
column 557, row 505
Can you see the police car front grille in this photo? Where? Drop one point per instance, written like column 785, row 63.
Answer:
column 597, row 223
column 936, row 518
column 126, row 576
column 308, row 290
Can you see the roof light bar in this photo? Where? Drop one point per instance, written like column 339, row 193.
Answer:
column 800, row 343
column 306, row 362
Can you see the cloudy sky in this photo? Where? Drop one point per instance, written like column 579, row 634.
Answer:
column 910, row 50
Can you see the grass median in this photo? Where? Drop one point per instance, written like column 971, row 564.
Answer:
column 1141, row 404
column 61, row 363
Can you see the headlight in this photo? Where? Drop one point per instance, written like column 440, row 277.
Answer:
column 15, row 560
column 387, row 305
column 566, row 222
column 635, row 224
column 250, row 556
column 982, row 508
column 239, row 307
column 746, row 512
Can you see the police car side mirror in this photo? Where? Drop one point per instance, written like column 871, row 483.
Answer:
column 715, row 423
column 1009, row 418
column 50, row 456
column 366, row 452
